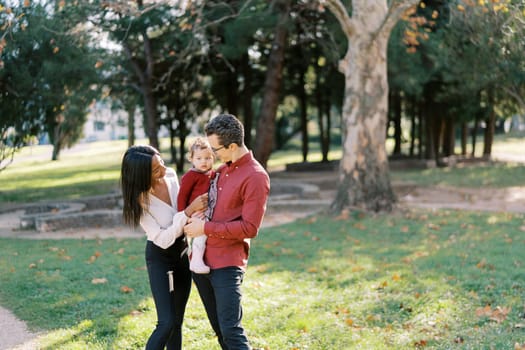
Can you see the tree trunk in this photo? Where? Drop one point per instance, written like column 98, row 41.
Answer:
column 490, row 122
column 57, row 138
column 326, row 135
column 272, row 87
column 364, row 181
column 464, row 136
column 303, row 103
column 150, row 109
column 449, row 137
column 395, row 108
column 474, row 136
column 413, row 126
column 131, row 124
column 247, row 100
column 232, row 88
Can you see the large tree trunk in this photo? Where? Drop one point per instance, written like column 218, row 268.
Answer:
column 364, row 181
column 272, row 88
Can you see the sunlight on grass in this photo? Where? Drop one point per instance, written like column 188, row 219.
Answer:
column 411, row 279
column 371, row 282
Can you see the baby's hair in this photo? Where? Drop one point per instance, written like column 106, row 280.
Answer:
column 199, row 144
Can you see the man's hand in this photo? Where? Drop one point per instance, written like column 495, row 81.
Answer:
column 194, row 227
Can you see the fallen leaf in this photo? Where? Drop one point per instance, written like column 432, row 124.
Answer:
column 360, row 226
column 357, row 268
column 345, row 215
column 126, row 289
column 99, row 280
column 518, row 346
column 499, row 314
column 312, row 220
column 433, row 227
column 481, row 264
column 396, row 277
column 420, row 344
column 483, row 311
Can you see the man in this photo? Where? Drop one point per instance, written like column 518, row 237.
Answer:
column 242, row 190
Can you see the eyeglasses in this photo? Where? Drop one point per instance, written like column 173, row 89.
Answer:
column 215, row 150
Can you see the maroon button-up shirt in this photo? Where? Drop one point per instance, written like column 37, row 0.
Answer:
column 242, row 192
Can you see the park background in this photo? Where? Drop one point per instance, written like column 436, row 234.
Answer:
column 365, row 273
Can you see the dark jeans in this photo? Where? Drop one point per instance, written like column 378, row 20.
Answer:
column 170, row 305
column 220, row 291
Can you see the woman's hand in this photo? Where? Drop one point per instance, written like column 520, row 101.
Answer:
column 199, row 204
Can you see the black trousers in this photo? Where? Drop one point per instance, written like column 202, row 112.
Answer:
column 220, row 292
column 170, row 305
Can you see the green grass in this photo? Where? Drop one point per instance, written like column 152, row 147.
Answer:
column 497, row 175
column 369, row 282
column 94, row 169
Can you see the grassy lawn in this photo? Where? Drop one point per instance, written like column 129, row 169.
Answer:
column 411, row 279
column 438, row 280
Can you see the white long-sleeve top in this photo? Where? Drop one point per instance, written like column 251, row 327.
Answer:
column 162, row 222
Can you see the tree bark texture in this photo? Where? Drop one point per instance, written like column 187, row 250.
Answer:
column 364, row 181
column 272, row 88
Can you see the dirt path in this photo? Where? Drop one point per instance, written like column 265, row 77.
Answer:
column 14, row 334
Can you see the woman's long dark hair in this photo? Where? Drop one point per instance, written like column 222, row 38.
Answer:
column 135, row 182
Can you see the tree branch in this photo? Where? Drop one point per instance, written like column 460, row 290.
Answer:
column 339, row 11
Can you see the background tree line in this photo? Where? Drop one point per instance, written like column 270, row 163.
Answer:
column 452, row 66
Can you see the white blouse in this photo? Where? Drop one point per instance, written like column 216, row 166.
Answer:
column 162, row 222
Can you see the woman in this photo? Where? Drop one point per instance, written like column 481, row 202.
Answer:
column 149, row 191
